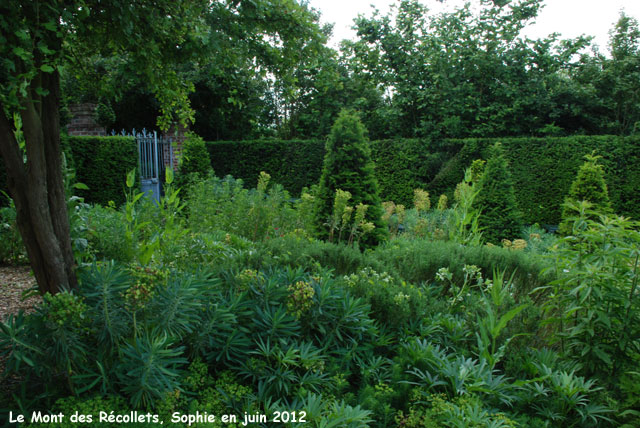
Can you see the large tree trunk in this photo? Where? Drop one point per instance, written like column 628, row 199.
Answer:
column 37, row 188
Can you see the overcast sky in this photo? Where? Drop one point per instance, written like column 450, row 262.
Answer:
column 571, row 18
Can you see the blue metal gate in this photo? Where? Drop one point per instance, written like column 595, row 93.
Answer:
column 155, row 154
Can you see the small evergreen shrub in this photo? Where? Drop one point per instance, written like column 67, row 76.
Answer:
column 590, row 186
column 496, row 200
column 195, row 164
column 416, row 261
column 348, row 167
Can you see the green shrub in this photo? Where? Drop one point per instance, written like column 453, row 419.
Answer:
column 348, row 167
column 106, row 229
column 11, row 248
column 195, row 163
column 496, row 201
column 393, row 302
column 417, row 261
column 590, row 186
column 256, row 214
column 594, row 300
column 436, row 410
column 295, row 250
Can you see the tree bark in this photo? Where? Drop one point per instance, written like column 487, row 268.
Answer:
column 37, row 187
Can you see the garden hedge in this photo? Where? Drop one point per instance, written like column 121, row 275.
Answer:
column 292, row 163
column 102, row 164
column 542, row 168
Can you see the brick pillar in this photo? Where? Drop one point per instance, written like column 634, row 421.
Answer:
column 82, row 121
column 177, row 135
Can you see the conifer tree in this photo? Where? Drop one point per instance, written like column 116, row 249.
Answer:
column 348, row 167
column 499, row 217
column 590, row 186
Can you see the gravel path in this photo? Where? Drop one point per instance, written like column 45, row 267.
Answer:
column 14, row 281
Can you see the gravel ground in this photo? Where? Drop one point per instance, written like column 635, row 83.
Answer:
column 14, row 281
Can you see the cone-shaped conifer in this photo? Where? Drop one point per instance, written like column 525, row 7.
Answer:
column 499, row 217
column 348, row 167
column 590, row 186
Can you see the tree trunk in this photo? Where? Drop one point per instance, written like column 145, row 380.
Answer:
column 36, row 186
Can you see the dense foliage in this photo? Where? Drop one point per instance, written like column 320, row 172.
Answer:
column 294, row 164
column 263, row 69
column 435, row 308
column 101, row 163
column 223, row 303
column 348, row 168
column 496, row 200
column 194, row 161
column 590, row 186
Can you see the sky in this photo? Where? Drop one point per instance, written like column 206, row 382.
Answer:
column 570, row 18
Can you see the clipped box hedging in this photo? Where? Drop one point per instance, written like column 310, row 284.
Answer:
column 102, row 164
column 542, row 168
column 294, row 163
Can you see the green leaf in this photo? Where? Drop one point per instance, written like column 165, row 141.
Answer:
column 131, row 178
column 50, row 25
column 42, row 92
column 23, row 54
column 46, row 68
column 22, row 34
column 602, row 355
column 81, row 186
column 506, row 318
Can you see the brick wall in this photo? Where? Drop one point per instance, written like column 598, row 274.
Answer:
column 82, row 122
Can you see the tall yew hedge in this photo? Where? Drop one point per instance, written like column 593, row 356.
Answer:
column 542, row 169
column 102, row 164
column 293, row 163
